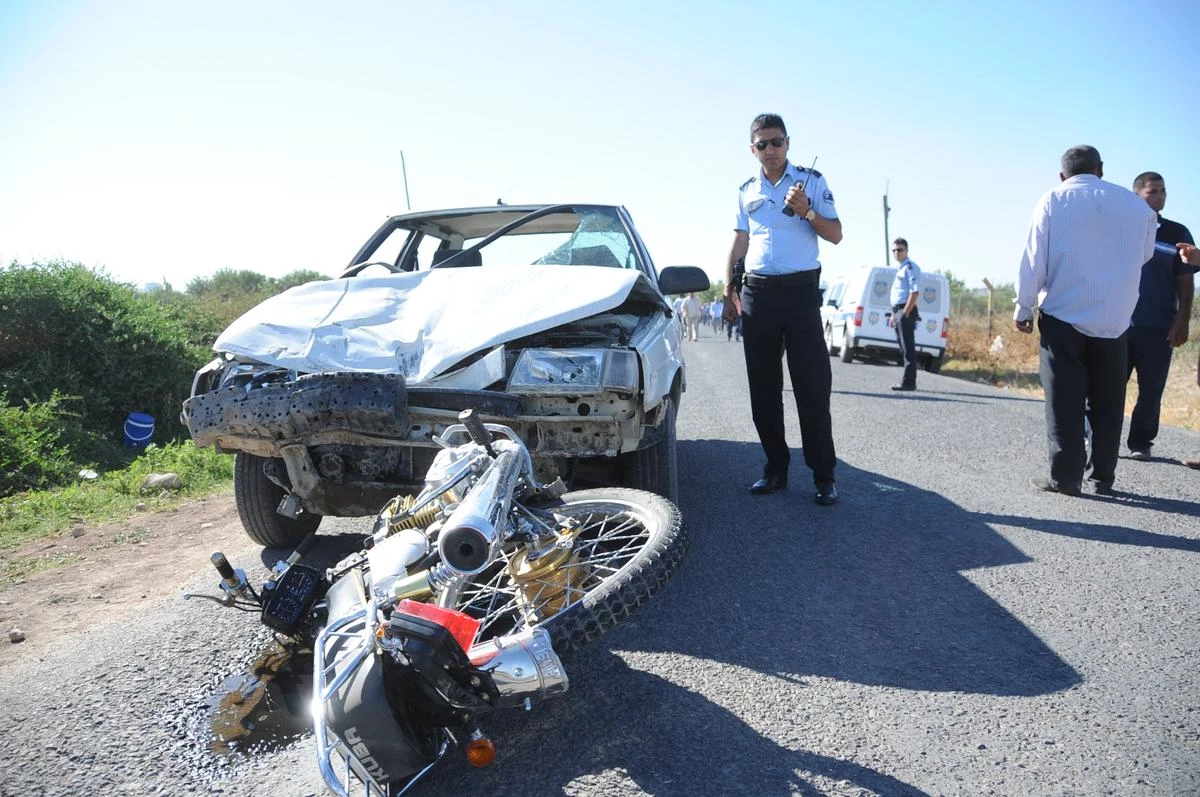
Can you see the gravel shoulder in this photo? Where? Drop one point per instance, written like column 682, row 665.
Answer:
column 117, row 567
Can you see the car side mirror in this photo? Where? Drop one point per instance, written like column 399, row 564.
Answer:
column 682, row 279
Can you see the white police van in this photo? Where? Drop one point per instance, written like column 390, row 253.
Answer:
column 856, row 310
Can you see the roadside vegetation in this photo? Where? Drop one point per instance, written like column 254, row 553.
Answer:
column 79, row 351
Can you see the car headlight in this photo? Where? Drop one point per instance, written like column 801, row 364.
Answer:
column 575, row 371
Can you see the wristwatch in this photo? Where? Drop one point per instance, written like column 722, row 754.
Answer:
column 810, row 215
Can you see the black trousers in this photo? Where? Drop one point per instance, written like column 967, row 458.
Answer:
column 779, row 320
column 1082, row 376
column 1150, row 356
column 906, row 329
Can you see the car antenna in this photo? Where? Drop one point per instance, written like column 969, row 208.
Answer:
column 500, row 199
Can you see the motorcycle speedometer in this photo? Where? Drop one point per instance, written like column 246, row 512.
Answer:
column 288, row 602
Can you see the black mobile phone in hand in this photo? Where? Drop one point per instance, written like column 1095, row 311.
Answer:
column 788, row 211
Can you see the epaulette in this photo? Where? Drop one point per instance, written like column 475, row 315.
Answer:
column 814, row 172
column 742, row 187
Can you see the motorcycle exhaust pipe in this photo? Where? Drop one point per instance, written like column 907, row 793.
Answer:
column 471, row 535
column 523, row 666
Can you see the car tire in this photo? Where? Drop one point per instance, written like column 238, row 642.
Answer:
column 257, row 499
column 829, row 340
column 934, row 364
column 847, row 349
column 656, row 467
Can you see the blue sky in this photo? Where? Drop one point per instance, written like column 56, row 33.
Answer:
column 164, row 140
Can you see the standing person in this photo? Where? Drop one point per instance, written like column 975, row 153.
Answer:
column 691, row 317
column 780, row 303
column 1082, row 263
column 1160, row 319
column 905, row 290
column 1191, row 256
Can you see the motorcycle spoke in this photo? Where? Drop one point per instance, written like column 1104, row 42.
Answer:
column 604, row 543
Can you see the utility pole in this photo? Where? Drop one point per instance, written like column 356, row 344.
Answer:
column 887, row 241
column 404, row 169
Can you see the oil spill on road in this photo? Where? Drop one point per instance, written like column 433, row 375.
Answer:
column 266, row 708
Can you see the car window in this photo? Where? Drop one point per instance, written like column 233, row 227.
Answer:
column 587, row 236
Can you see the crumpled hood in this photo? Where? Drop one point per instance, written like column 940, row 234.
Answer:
column 419, row 324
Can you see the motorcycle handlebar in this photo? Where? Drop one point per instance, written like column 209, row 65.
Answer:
column 223, row 567
column 306, row 545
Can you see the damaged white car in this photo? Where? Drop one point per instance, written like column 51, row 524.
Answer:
column 549, row 319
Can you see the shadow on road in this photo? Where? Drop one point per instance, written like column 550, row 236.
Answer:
column 667, row 739
column 922, row 394
column 1094, row 531
column 870, row 591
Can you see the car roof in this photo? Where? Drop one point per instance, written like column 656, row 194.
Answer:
column 477, row 222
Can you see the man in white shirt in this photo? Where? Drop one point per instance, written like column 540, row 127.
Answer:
column 691, row 317
column 1082, row 264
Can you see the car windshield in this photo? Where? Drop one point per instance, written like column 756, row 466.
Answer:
column 507, row 237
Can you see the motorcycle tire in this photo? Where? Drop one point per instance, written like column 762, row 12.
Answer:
column 630, row 543
column 257, row 499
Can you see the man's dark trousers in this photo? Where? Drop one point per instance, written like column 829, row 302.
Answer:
column 1150, row 356
column 778, row 319
column 906, row 330
column 1082, row 375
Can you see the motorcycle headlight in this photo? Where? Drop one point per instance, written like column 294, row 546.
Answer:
column 575, row 371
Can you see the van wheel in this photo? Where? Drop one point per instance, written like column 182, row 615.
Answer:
column 829, row 340
column 934, row 364
column 847, row 349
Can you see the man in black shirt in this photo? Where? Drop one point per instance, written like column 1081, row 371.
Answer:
column 1160, row 319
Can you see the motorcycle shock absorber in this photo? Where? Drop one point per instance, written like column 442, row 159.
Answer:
column 395, row 514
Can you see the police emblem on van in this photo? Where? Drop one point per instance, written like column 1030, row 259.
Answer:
column 929, row 295
column 880, row 288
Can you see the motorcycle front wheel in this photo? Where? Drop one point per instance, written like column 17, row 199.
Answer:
column 627, row 544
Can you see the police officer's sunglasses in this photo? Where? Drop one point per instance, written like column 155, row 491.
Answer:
column 776, row 142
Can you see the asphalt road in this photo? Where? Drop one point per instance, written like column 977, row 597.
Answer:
column 944, row 629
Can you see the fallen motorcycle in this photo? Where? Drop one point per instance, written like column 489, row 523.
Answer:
column 459, row 604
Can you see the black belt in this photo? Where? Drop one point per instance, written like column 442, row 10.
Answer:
column 793, row 280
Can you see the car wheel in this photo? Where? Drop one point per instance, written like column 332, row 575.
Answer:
column 829, row 340
column 847, row 348
column 934, row 364
column 257, row 499
column 656, row 468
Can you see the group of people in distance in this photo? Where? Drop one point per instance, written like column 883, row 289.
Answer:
column 1109, row 280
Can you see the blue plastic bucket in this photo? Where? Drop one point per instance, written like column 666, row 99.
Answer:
column 139, row 428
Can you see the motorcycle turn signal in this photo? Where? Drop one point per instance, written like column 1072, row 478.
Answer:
column 480, row 751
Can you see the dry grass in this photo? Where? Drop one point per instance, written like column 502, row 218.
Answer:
column 1015, row 365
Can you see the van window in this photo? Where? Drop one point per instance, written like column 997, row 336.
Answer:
column 835, row 294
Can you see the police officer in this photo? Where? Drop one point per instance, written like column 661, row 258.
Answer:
column 780, row 302
column 904, row 318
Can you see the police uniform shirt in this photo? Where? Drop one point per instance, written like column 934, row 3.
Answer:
column 1158, row 292
column 907, row 281
column 781, row 244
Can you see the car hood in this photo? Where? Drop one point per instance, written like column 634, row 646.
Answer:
column 420, row 324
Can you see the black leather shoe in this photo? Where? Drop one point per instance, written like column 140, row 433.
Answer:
column 905, row 388
column 1047, row 486
column 826, row 494
column 771, row 483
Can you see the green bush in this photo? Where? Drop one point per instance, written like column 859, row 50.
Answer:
column 36, row 444
column 72, row 337
column 65, row 330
